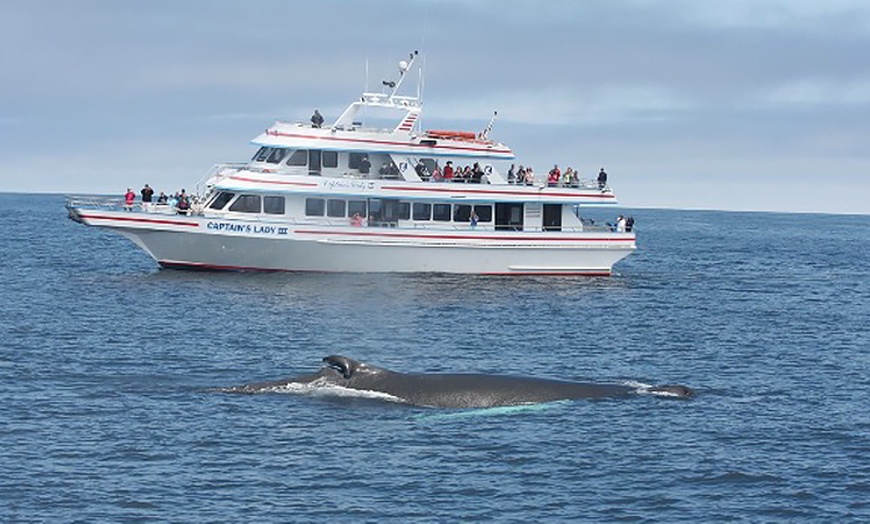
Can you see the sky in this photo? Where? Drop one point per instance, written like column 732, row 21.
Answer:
column 744, row 105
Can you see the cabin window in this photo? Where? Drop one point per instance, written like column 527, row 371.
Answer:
column 222, row 199
column 357, row 206
column 246, row 204
column 314, row 207
column 403, row 210
column 330, row 159
column 260, row 154
column 422, row 211
column 441, row 212
column 298, row 158
column 394, row 210
column 461, row 213
column 335, row 207
column 355, row 159
column 375, row 210
column 273, row 205
column 276, row 156
column 484, row 213
column 314, row 164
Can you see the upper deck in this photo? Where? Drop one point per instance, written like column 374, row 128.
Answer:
column 243, row 177
column 384, row 124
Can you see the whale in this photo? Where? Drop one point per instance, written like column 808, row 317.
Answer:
column 457, row 390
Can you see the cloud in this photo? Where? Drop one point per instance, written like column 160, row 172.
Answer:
column 782, row 15
column 679, row 88
column 818, row 92
column 566, row 105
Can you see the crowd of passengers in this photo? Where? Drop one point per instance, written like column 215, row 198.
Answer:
column 474, row 174
column 180, row 201
column 555, row 178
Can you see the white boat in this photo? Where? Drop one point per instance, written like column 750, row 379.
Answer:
column 356, row 196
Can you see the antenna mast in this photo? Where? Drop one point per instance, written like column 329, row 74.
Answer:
column 403, row 68
column 485, row 133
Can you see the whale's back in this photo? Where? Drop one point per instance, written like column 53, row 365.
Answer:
column 481, row 391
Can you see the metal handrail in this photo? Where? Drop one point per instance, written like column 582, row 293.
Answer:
column 215, row 174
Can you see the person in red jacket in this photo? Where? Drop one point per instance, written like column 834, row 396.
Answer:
column 129, row 198
column 448, row 171
column 553, row 177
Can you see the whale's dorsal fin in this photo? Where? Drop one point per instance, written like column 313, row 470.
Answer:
column 346, row 366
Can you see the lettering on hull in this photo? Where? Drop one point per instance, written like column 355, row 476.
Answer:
column 253, row 229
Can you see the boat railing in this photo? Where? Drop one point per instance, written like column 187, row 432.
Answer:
column 216, row 173
column 113, row 203
column 95, row 202
column 75, row 203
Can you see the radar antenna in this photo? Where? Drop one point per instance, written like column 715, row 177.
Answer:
column 404, row 66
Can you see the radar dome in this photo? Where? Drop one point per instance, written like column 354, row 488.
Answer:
column 403, row 66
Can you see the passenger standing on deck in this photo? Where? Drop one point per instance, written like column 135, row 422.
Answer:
column 147, row 193
column 602, row 179
column 530, row 176
column 476, row 174
column 437, row 175
column 553, row 176
column 316, row 119
column 364, row 165
column 129, row 198
column 183, row 204
column 620, row 224
column 448, row 171
column 511, row 175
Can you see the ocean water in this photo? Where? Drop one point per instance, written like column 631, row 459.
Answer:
column 108, row 364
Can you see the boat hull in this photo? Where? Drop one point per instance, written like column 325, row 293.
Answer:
column 213, row 244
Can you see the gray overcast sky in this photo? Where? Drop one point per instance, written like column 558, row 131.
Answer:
column 714, row 104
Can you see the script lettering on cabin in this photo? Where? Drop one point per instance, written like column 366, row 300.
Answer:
column 343, row 183
column 255, row 229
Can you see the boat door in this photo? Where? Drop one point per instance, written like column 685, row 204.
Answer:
column 508, row 217
column 552, row 217
column 314, row 161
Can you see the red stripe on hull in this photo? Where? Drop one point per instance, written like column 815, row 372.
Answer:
column 462, row 237
column 141, row 220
